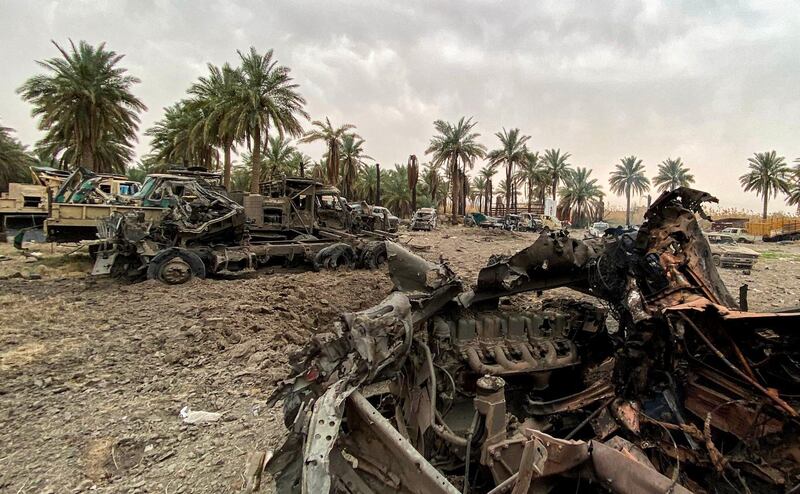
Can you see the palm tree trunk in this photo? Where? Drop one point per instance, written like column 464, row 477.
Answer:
column 508, row 186
column 87, row 156
column 487, row 203
column 333, row 169
column 628, row 207
column 514, row 196
column 555, row 186
column 766, row 199
column 377, row 184
column 226, row 176
column 530, row 194
column 453, row 189
column 255, row 175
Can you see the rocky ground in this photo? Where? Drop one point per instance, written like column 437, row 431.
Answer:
column 94, row 373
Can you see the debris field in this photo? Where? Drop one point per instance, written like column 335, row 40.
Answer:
column 96, row 374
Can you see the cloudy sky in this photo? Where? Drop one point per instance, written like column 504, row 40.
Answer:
column 711, row 82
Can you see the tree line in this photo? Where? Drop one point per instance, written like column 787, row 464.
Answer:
column 89, row 116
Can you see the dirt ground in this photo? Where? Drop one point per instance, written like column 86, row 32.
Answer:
column 94, row 373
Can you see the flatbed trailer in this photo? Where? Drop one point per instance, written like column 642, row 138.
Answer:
column 205, row 232
column 177, row 265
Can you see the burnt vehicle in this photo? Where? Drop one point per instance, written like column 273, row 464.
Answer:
column 424, row 219
column 513, row 222
column 529, row 222
column 442, row 388
column 202, row 231
column 597, row 229
column 65, row 203
column 726, row 252
column 83, row 199
column 376, row 218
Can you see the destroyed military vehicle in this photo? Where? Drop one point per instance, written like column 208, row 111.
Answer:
column 375, row 217
column 202, row 231
column 424, row 219
column 441, row 388
column 54, row 194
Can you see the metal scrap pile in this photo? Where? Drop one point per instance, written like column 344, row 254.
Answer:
column 196, row 214
column 440, row 388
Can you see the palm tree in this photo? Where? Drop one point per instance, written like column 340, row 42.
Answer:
column 479, row 190
column 672, row 173
column 214, row 95
column 332, row 137
column 352, row 161
column 455, row 144
column 557, row 167
column 531, row 173
column 396, row 194
column 628, row 177
column 579, row 196
column 265, row 95
column 502, row 185
column 240, row 177
column 174, row 137
column 512, row 152
column 487, row 173
column 366, row 184
column 794, row 186
column 148, row 164
column 14, row 159
column 413, row 178
column 318, row 170
column 301, row 162
column 279, row 159
column 432, row 182
column 88, row 113
column 768, row 175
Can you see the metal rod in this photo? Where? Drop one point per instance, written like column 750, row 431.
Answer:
column 590, row 417
column 469, row 451
column 781, row 404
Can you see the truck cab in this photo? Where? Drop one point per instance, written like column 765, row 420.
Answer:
column 294, row 206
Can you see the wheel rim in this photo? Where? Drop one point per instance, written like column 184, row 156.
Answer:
column 175, row 271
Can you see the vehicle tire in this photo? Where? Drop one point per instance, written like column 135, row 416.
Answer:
column 373, row 256
column 717, row 260
column 175, row 266
column 335, row 256
column 545, row 230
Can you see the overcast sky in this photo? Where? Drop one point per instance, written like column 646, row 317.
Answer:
column 711, row 82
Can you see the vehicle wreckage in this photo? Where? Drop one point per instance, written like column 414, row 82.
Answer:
column 201, row 230
column 444, row 389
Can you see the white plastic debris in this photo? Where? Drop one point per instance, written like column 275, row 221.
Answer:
column 190, row 416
